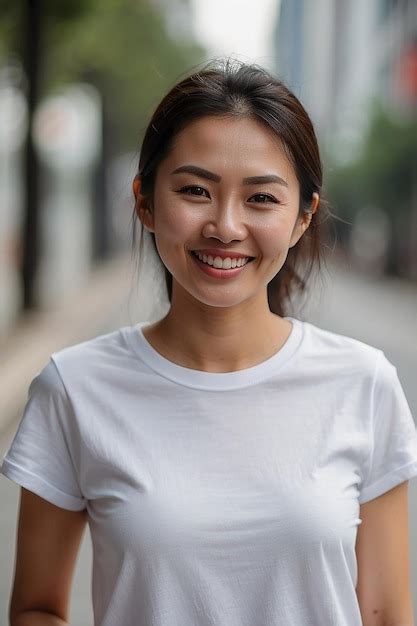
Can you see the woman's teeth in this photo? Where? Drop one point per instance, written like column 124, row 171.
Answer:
column 219, row 263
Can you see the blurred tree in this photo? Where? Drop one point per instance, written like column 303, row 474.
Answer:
column 13, row 15
column 22, row 30
column 384, row 176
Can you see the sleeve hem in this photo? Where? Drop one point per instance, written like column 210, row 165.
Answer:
column 389, row 481
column 38, row 485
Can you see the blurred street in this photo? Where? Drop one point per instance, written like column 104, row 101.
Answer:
column 380, row 311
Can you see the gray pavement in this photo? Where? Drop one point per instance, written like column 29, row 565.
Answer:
column 379, row 311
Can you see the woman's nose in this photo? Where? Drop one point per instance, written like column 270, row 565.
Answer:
column 226, row 222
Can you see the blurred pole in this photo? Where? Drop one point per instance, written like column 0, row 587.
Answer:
column 101, row 221
column 101, row 244
column 31, row 63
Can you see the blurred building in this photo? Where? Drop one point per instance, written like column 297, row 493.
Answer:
column 336, row 55
column 396, row 47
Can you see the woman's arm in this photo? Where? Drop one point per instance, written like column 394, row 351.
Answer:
column 382, row 552
column 48, row 541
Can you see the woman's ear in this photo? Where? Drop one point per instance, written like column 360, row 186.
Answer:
column 142, row 207
column 303, row 222
column 315, row 202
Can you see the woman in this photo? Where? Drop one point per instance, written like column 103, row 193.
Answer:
column 237, row 466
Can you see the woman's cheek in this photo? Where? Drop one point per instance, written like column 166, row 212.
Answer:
column 273, row 241
column 176, row 220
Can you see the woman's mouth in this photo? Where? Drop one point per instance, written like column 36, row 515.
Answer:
column 220, row 268
column 222, row 263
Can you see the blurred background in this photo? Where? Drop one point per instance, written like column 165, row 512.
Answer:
column 79, row 80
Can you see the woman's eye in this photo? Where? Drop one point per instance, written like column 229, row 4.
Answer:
column 190, row 188
column 196, row 190
column 266, row 198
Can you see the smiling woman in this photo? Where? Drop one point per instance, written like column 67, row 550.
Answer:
column 224, row 213
column 227, row 454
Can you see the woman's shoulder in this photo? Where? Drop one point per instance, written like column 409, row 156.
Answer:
column 337, row 347
column 100, row 345
column 101, row 352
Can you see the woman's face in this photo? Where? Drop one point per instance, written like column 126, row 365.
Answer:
column 203, row 202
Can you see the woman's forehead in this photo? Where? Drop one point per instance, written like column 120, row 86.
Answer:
column 243, row 141
column 214, row 128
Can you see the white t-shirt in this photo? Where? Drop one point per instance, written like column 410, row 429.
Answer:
column 218, row 499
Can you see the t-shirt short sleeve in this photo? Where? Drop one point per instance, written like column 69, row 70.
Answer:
column 394, row 438
column 39, row 457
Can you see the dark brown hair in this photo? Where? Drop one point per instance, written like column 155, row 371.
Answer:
column 236, row 89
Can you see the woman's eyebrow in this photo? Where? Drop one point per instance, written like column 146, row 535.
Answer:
column 268, row 178
column 250, row 180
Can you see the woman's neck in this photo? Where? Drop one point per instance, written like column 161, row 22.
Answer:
column 221, row 343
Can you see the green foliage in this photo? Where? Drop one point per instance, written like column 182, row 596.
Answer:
column 11, row 18
column 126, row 47
column 13, row 15
column 385, row 172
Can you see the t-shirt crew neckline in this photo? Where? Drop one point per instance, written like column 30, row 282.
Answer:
column 214, row 381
